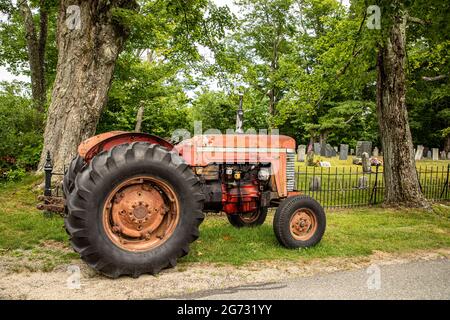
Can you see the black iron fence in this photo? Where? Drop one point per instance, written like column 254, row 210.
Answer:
column 346, row 187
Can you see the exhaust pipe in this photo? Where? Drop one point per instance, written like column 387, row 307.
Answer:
column 240, row 116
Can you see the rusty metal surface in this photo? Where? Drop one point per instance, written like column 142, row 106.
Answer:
column 140, row 214
column 203, row 150
column 303, row 224
column 105, row 141
column 88, row 144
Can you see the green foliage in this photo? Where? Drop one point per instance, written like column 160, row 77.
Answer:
column 21, row 131
column 14, row 175
column 168, row 34
column 151, row 84
column 13, row 50
column 216, row 111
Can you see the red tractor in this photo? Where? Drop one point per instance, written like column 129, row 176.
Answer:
column 134, row 202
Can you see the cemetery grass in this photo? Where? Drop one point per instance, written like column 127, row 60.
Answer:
column 40, row 243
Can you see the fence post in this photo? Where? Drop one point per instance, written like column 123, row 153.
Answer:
column 48, row 169
column 373, row 196
column 446, row 184
column 445, row 188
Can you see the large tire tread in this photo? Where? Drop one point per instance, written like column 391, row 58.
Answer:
column 93, row 177
column 281, row 221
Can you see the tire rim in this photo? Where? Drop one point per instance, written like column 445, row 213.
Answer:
column 141, row 213
column 303, row 224
column 250, row 217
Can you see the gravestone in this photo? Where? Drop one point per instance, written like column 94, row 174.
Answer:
column 363, row 146
column 375, row 152
column 419, row 152
column 352, row 151
column 343, row 153
column 367, row 168
column 301, row 153
column 336, row 149
column 316, row 148
column 323, row 150
column 448, row 155
column 435, row 154
column 315, row 184
column 363, row 182
column 328, row 151
column 429, row 154
column 443, row 155
column 332, row 150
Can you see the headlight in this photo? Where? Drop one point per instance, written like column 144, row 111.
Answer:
column 264, row 174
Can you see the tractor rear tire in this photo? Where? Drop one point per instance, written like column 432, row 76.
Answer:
column 71, row 173
column 69, row 178
column 299, row 222
column 124, row 192
column 241, row 221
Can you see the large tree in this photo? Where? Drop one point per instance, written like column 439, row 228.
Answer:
column 24, row 43
column 89, row 41
column 400, row 175
column 402, row 185
column 89, row 48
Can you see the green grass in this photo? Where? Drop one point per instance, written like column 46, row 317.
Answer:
column 26, row 233
column 22, row 226
column 358, row 232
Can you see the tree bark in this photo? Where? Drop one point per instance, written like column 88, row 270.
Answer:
column 139, row 118
column 36, row 51
column 86, row 60
column 447, row 143
column 400, row 176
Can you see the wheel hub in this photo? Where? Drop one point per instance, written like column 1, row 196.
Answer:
column 140, row 212
column 136, row 217
column 303, row 224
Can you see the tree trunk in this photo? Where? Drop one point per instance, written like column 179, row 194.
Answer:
column 447, row 143
column 400, row 176
column 36, row 52
column 139, row 117
column 86, row 60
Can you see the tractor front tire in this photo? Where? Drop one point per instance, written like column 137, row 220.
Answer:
column 134, row 209
column 299, row 222
column 248, row 220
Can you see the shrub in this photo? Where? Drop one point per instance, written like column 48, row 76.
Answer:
column 21, row 132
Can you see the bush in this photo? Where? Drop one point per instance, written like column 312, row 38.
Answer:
column 21, row 133
column 14, row 175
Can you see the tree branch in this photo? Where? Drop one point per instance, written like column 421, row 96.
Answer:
column 436, row 78
column 417, row 20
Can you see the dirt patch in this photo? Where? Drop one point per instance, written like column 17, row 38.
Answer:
column 184, row 279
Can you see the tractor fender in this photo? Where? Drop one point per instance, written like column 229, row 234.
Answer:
column 105, row 141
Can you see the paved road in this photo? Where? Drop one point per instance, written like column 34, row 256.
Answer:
column 415, row 280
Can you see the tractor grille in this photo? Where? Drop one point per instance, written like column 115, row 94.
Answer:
column 290, row 171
